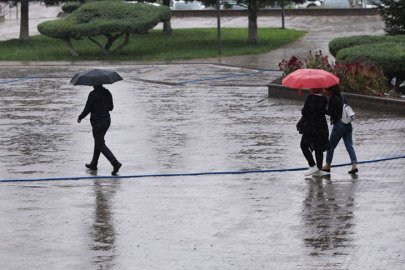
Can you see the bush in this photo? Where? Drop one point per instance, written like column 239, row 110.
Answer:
column 359, row 76
column 389, row 56
column 338, row 44
column 71, row 6
column 290, row 66
column 316, row 61
column 111, row 19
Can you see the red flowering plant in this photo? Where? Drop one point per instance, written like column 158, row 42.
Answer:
column 318, row 61
column 361, row 77
column 290, row 66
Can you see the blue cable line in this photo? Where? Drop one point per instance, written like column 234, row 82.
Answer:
column 21, row 79
column 190, row 174
column 225, row 77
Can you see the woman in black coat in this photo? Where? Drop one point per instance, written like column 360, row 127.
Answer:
column 316, row 133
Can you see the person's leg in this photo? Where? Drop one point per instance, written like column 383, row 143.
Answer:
column 348, row 140
column 334, row 139
column 305, row 144
column 319, row 158
column 96, row 155
column 99, row 131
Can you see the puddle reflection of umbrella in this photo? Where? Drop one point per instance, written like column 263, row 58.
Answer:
column 96, row 77
column 310, row 78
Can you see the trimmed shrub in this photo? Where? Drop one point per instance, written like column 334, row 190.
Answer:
column 111, row 19
column 338, row 44
column 71, row 6
column 389, row 56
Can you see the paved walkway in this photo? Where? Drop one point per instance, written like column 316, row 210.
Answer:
column 255, row 221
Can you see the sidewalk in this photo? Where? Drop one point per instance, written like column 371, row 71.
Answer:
column 253, row 221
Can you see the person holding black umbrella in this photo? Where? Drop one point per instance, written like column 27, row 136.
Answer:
column 98, row 105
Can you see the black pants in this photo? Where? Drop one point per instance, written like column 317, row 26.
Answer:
column 99, row 131
column 306, row 146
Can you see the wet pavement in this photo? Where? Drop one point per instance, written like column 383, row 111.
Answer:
column 254, row 221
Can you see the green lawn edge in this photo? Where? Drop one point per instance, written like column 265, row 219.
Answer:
column 183, row 44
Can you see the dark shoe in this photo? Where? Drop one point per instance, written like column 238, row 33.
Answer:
column 117, row 167
column 354, row 171
column 91, row 166
column 326, row 170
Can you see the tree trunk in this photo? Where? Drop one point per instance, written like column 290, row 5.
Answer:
column 24, row 30
column 252, row 15
column 111, row 40
column 125, row 43
column 167, row 26
column 70, row 46
column 106, row 52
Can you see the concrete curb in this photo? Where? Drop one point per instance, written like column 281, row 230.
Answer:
column 277, row 12
column 377, row 104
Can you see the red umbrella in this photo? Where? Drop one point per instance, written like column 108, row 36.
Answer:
column 310, row 78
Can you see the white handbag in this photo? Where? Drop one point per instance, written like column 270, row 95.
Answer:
column 347, row 113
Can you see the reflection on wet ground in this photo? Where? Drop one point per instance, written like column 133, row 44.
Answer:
column 258, row 221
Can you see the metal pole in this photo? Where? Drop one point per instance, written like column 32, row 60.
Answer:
column 219, row 27
column 16, row 9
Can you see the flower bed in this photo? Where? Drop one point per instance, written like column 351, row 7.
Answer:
column 359, row 77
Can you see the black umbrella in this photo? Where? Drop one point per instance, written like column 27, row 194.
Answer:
column 96, row 77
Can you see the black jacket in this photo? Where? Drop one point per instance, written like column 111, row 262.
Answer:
column 99, row 104
column 335, row 108
column 316, row 128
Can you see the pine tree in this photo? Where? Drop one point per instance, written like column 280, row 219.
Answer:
column 393, row 14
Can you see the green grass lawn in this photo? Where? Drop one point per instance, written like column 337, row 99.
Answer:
column 183, row 44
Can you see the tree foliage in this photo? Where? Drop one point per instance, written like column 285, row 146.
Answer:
column 110, row 19
column 393, row 14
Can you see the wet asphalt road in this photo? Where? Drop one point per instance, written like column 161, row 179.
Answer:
column 256, row 221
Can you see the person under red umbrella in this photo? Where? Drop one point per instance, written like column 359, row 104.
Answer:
column 315, row 135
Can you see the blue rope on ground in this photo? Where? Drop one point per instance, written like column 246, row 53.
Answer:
column 228, row 76
column 21, row 79
column 190, row 174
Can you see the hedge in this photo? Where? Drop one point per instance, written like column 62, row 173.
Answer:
column 71, row 6
column 389, row 55
column 338, row 44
